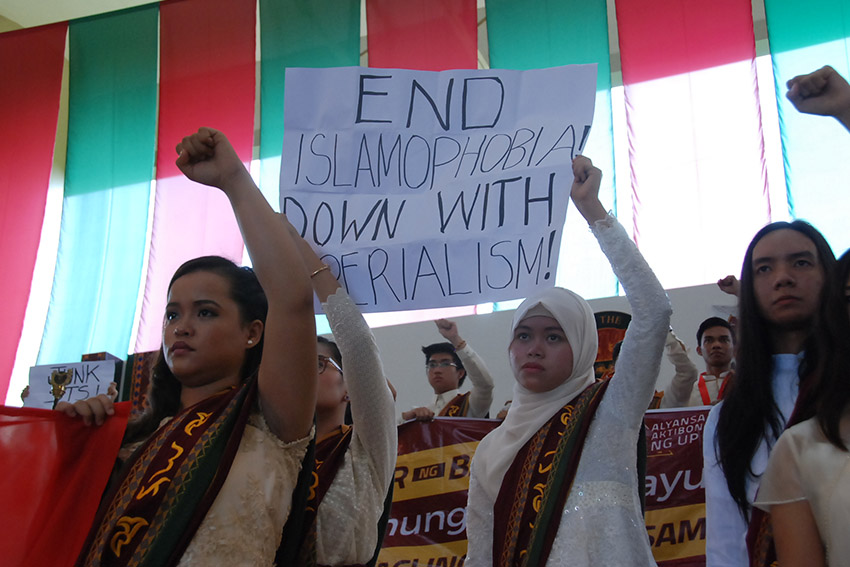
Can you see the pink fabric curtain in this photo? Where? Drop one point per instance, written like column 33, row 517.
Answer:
column 207, row 63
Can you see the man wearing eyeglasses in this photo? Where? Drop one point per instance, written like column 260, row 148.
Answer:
column 447, row 365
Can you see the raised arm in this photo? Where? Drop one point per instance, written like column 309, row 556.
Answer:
column 324, row 282
column 730, row 285
column 481, row 393
column 823, row 92
column 585, row 190
column 372, row 395
column 633, row 382
column 682, row 385
column 287, row 376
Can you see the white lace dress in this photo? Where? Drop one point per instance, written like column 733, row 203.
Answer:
column 245, row 522
column 602, row 523
column 349, row 513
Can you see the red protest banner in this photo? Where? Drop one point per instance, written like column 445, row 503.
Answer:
column 54, row 471
column 427, row 524
column 675, row 497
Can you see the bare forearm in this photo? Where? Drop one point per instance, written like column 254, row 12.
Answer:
column 798, row 541
column 287, row 382
column 274, row 255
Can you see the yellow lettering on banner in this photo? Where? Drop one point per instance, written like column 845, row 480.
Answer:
column 154, row 487
column 202, row 417
column 126, row 529
column 676, row 533
column 433, row 471
column 451, row 553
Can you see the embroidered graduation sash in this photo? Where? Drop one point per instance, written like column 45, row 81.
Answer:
column 330, row 453
column 536, row 486
column 760, row 546
column 457, row 406
column 166, row 491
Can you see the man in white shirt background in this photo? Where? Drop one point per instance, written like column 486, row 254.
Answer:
column 447, row 365
column 716, row 346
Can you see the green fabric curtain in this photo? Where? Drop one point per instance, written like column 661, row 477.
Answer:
column 298, row 33
column 111, row 141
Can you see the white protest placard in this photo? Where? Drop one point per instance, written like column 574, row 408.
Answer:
column 429, row 189
column 87, row 379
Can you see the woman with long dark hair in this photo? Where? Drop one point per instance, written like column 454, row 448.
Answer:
column 806, row 486
column 792, row 334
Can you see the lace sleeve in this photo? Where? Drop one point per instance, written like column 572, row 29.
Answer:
column 372, row 405
column 637, row 368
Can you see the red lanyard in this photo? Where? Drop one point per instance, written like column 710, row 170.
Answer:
column 703, row 390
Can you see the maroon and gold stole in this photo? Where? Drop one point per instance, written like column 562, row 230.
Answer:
column 329, row 456
column 536, row 485
column 457, row 407
column 155, row 510
column 330, row 453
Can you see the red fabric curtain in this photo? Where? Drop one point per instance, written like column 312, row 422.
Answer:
column 207, row 63
column 432, row 35
column 55, row 469
column 690, row 36
column 31, row 63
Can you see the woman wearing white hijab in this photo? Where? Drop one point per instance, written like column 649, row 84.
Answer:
column 589, row 514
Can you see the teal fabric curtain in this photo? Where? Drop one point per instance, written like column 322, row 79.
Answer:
column 298, row 33
column 111, row 142
column 550, row 33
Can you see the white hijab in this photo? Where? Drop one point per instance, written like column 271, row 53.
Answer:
column 530, row 410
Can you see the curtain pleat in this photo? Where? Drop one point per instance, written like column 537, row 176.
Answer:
column 110, row 159
column 207, row 68
column 31, row 63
